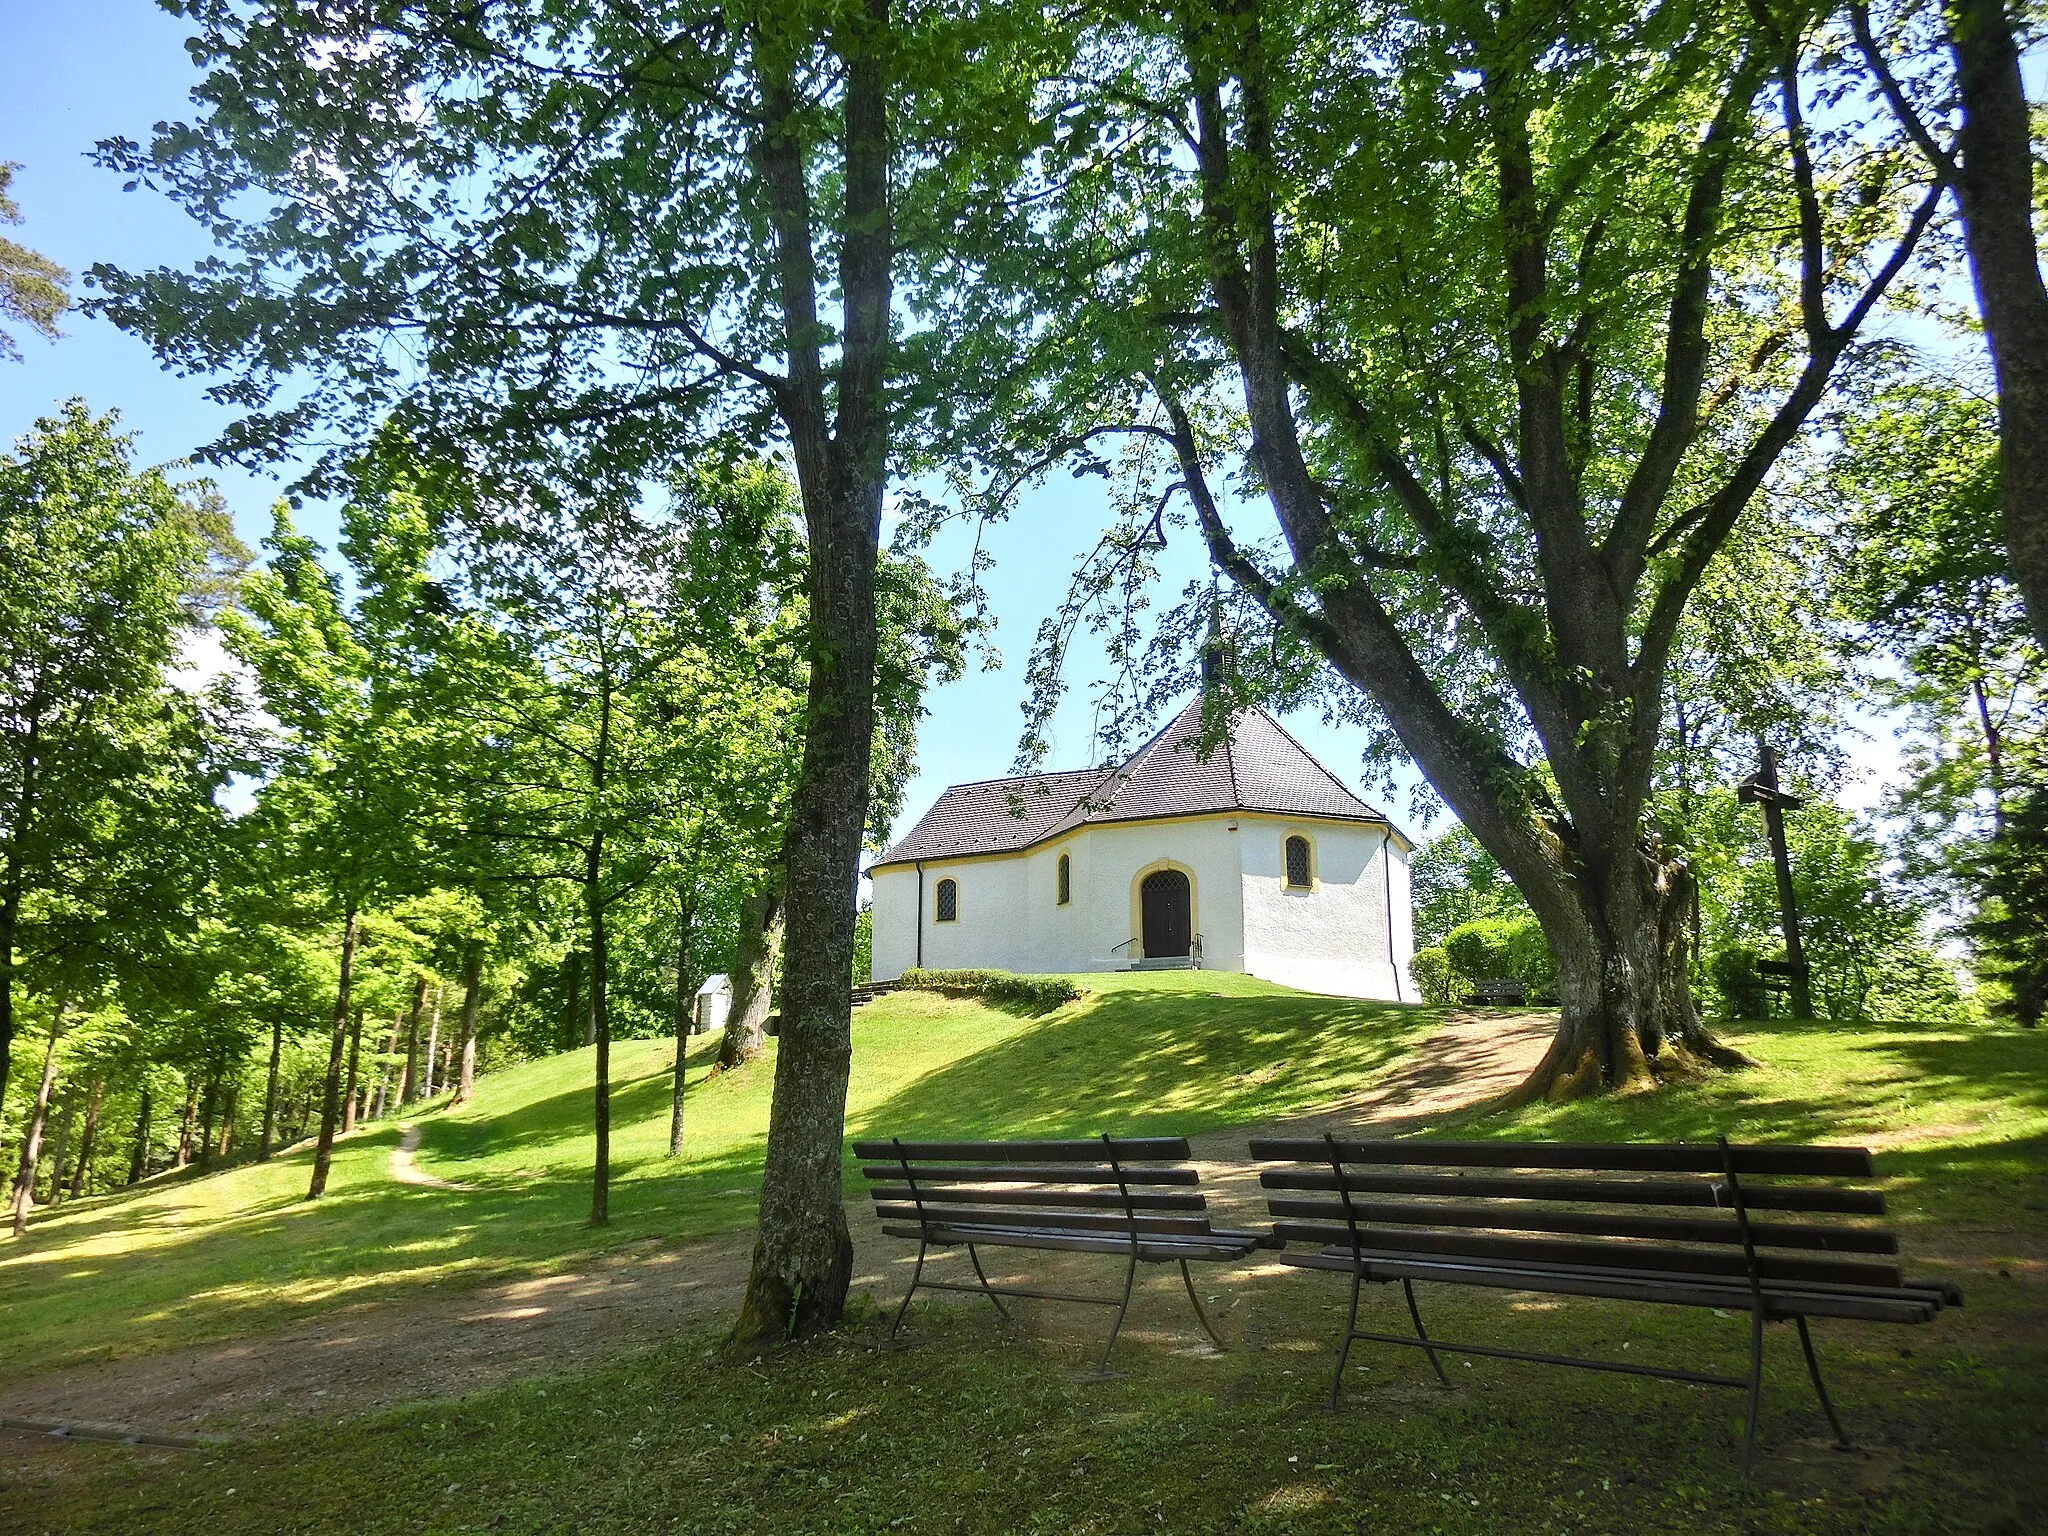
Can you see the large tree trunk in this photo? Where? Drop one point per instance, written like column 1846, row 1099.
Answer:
column 753, row 975
column 39, row 1117
column 472, row 995
column 1995, row 186
column 81, row 1175
column 409, row 1082
column 265, row 1141
column 572, row 999
column 330, row 1103
column 138, row 1162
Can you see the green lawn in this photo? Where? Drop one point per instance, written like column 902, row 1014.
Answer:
column 187, row 1259
column 980, row 1429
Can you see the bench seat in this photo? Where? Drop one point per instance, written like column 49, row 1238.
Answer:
column 1134, row 1198
column 1604, row 1221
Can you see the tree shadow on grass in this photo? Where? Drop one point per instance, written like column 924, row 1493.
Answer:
column 1139, row 1063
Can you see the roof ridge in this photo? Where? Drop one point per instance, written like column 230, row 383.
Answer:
column 1018, row 778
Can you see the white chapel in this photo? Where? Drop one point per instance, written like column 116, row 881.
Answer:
column 1255, row 859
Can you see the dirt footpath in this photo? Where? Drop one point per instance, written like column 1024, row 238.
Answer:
column 454, row 1343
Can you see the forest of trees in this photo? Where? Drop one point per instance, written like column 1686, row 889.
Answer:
column 1579, row 398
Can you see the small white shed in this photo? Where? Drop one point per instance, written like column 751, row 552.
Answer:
column 714, row 1002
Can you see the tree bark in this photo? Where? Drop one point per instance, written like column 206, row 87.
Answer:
column 409, row 1080
column 384, row 1070
column 803, row 1253
column 32, row 1143
column 264, row 1142
column 330, row 1104
column 472, row 995
column 1995, row 188
column 81, row 1175
column 138, row 1163
column 753, row 974
column 227, row 1118
column 685, row 999
column 208, row 1116
column 355, row 1058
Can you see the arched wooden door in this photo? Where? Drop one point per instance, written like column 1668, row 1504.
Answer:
column 1165, row 903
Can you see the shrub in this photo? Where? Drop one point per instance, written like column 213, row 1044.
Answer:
column 1529, row 959
column 1431, row 969
column 1735, row 976
column 1038, row 994
column 1478, row 950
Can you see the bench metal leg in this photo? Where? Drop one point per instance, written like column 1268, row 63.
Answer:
column 1130, row 1278
column 1188, row 1280
column 975, row 1259
column 1813, row 1370
column 1350, row 1333
column 1756, row 1387
column 915, row 1276
column 1408, row 1290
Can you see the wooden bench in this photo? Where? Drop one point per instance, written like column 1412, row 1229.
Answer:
column 1497, row 992
column 1676, row 1224
column 1135, row 1197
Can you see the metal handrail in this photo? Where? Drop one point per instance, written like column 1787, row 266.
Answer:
column 1127, row 943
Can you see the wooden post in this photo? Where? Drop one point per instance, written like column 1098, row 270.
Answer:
column 1762, row 790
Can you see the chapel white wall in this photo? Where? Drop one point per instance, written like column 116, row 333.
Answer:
column 1337, row 936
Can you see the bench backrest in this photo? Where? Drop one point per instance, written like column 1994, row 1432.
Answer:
column 1686, row 1209
column 1135, row 1185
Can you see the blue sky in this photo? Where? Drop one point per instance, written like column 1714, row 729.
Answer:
column 76, row 71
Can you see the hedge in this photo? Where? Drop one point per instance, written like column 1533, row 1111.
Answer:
column 1040, row 994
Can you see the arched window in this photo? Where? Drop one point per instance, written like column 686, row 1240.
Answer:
column 1298, row 870
column 1066, row 879
column 948, row 901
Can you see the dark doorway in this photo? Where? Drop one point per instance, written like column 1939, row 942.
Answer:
column 1166, row 905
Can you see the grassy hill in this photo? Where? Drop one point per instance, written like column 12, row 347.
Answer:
column 187, row 1258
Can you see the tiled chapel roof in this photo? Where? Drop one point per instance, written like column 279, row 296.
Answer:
column 1258, row 767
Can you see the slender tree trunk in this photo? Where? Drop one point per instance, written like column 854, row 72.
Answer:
column 208, row 1116
column 227, row 1118
column 1995, row 186
column 433, row 1042
column 264, row 1142
column 601, row 1037
column 572, row 985
column 472, row 995
column 60, row 1149
column 803, row 1253
column 330, row 1111
column 384, row 1069
column 10, row 922
column 187, row 1123
column 138, row 1164
column 355, row 1061
column 81, row 1175
column 409, row 1083
column 685, row 996
column 753, row 974
column 32, row 1143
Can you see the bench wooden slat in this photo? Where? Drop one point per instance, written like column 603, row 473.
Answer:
column 1161, row 1247
column 1620, row 1157
column 1091, row 1199
column 1135, row 1148
column 1620, row 1191
column 1902, row 1306
column 1616, row 1254
column 1030, row 1218
column 1023, row 1173
column 1538, row 1218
